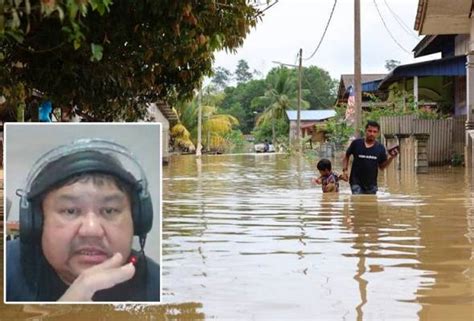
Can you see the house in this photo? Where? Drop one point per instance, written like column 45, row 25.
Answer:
column 439, row 83
column 162, row 113
column 370, row 83
column 309, row 119
column 439, row 18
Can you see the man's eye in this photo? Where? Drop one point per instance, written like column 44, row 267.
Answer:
column 70, row 211
column 110, row 210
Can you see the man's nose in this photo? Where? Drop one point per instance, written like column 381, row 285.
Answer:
column 91, row 225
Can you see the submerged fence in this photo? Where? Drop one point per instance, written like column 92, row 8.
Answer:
column 446, row 136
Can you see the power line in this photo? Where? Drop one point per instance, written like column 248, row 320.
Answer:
column 401, row 22
column 324, row 33
column 388, row 30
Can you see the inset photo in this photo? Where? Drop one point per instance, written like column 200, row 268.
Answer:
column 82, row 213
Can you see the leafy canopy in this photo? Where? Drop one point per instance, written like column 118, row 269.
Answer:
column 110, row 59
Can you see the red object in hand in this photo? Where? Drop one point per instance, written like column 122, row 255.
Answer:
column 133, row 259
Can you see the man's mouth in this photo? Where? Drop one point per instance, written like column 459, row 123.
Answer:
column 91, row 255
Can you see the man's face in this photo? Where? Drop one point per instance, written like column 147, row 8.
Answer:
column 84, row 224
column 371, row 133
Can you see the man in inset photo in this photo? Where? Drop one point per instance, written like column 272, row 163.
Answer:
column 78, row 215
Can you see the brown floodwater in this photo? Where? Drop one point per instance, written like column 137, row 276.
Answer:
column 248, row 237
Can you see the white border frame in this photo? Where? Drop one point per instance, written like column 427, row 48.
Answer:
column 160, row 201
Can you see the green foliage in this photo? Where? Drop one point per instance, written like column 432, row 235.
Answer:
column 242, row 72
column 264, row 131
column 457, row 160
column 337, row 129
column 110, row 60
column 391, row 64
column 221, row 77
column 399, row 103
column 279, row 97
column 235, row 142
column 242, row 102
column 318, row 88
column 216, row 126
column 250, row 99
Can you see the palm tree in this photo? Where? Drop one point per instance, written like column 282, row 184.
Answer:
column 280, row 95
column 215, row 126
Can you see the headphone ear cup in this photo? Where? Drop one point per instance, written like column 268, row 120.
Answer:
column 26, row 222
column 31, row 222
column 142, row 215
column 37, row 212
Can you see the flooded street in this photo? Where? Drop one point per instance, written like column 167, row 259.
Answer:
column 249, row 237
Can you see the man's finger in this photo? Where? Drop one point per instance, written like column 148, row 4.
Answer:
column 111, row 262
column 108, row 278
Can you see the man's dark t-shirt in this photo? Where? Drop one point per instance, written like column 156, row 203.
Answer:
column 366, row 162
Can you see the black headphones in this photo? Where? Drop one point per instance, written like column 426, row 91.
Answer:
column 67, row 161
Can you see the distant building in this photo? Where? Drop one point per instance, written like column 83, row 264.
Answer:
column 370, row 84
column 309, row 119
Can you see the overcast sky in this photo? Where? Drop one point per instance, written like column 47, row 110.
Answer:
column 294, row 24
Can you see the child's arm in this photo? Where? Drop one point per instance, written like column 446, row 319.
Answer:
column 317, row 180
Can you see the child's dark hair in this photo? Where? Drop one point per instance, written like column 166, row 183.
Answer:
column 324, row 164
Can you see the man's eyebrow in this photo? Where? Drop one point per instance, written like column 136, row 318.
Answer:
column 114, row 197
column 68, row 197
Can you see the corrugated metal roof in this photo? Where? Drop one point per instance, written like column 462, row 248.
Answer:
column 308, row 115
column 452, row 66
column 347, row 81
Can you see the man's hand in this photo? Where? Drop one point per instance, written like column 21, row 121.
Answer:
column 99, row 277
column 344, row 175
column 393, row 153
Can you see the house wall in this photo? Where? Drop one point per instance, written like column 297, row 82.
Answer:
column 158, row 117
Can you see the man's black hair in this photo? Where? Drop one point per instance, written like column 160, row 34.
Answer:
column 372, row 123
column 324, row 164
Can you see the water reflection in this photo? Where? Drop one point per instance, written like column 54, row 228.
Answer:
column 250, row 237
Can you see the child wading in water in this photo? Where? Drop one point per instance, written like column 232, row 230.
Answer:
column 328, row 179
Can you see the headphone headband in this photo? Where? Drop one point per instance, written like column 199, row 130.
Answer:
column 77, row 146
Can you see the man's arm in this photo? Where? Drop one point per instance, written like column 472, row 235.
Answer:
column 345, row 164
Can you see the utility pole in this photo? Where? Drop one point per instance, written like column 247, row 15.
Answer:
column 199, row 145
column 298, row 113
column 357, row 69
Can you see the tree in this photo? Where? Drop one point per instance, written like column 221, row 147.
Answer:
column 221, row 77
column 110, row 60
column 242, row 72
column 240, row 102
column 318, row 88
column 216, row 126
column 280, row 96
column 391, row 64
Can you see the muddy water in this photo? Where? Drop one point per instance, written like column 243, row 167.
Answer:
column 248, row 237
